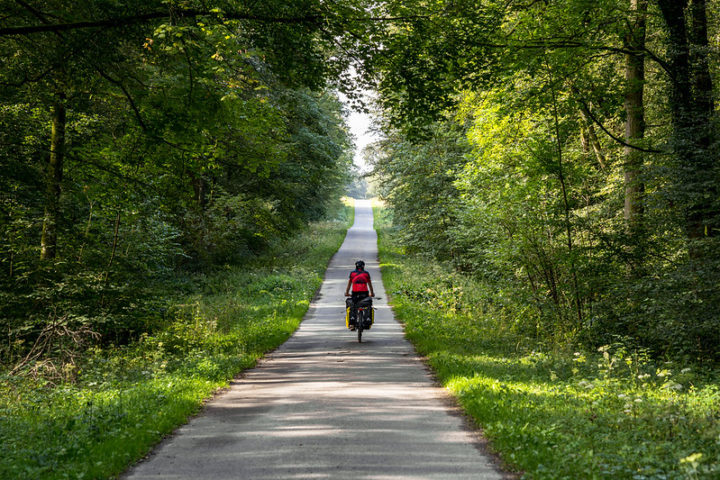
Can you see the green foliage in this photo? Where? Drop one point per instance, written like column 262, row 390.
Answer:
column 419, row 181
column 505, row 153
column 610, row 413
column 194, row 138
column 108, row 408
column 197, row 145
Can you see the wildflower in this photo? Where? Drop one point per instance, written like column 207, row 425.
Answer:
column 693, row 459
column 672, row 386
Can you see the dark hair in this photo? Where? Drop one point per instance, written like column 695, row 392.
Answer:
column 360, row 265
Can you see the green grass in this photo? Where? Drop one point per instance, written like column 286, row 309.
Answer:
column 553, row 413
column 122, row 401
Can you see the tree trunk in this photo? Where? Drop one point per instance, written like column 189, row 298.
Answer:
column 53, row 180
column 566, row 203
column 590, row 138
column 691, row 106
column 199, row 185
column 703, row 216
column 635, row 115
column 699, row 51
column 87, row 233
column 116, row 235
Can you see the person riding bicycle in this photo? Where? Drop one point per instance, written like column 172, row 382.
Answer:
column 361, row 286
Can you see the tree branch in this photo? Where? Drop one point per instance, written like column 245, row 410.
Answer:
column 129, row 98
column 134, row 19
column 588, row 112
column 35, row 12
column 140, row 18
column 136, row 110
column 111, row 171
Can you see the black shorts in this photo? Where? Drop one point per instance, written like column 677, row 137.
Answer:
column 357, row 296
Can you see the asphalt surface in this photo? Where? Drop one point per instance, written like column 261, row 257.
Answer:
column 325, row 406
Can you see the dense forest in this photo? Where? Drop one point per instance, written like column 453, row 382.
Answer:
column 140, row 140
column 170, row 183
column 565, row 153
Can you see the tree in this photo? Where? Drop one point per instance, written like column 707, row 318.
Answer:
column 615, row 170
column 635, row 114
column 162, row 136
column 692, row 111
column 419, row 182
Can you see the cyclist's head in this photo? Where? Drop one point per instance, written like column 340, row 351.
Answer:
column 360, row 265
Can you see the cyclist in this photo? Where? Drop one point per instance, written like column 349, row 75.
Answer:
column 361, row 286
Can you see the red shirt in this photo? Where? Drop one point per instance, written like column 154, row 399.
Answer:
column 359, row 279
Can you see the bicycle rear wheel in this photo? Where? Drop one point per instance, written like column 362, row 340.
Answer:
column 359, row 329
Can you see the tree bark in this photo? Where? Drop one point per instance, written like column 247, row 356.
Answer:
column 691, row 105
column 53, row 181
column 635, row 115
column 590, row 139
column 703, row 216
column 199, row 185
column 116, row 235
column 699, row 51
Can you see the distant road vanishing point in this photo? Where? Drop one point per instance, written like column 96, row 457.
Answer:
column 324, row 406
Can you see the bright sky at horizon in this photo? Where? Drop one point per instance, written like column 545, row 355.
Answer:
column 359, row 124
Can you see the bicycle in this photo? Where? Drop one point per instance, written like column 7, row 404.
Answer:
column 362, row 315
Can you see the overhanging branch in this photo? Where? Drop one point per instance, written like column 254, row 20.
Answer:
column 588, row 112
column 140, row 18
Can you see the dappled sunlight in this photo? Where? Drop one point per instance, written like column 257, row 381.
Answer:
column 325, row 406
column 615, row 413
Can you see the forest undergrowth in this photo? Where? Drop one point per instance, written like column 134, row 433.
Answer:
column 115, row 403
column 553, row 411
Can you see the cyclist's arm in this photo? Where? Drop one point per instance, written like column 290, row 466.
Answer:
column 347, row 289
column 372, row 294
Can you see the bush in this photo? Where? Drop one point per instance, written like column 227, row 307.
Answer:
column 550, row 410
column 112, row 403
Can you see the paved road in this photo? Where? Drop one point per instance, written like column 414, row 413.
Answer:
column 325, row 406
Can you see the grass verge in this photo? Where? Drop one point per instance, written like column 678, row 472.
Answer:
column 608, row 414
column 122, row 401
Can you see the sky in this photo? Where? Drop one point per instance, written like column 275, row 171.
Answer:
column 359, row 124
